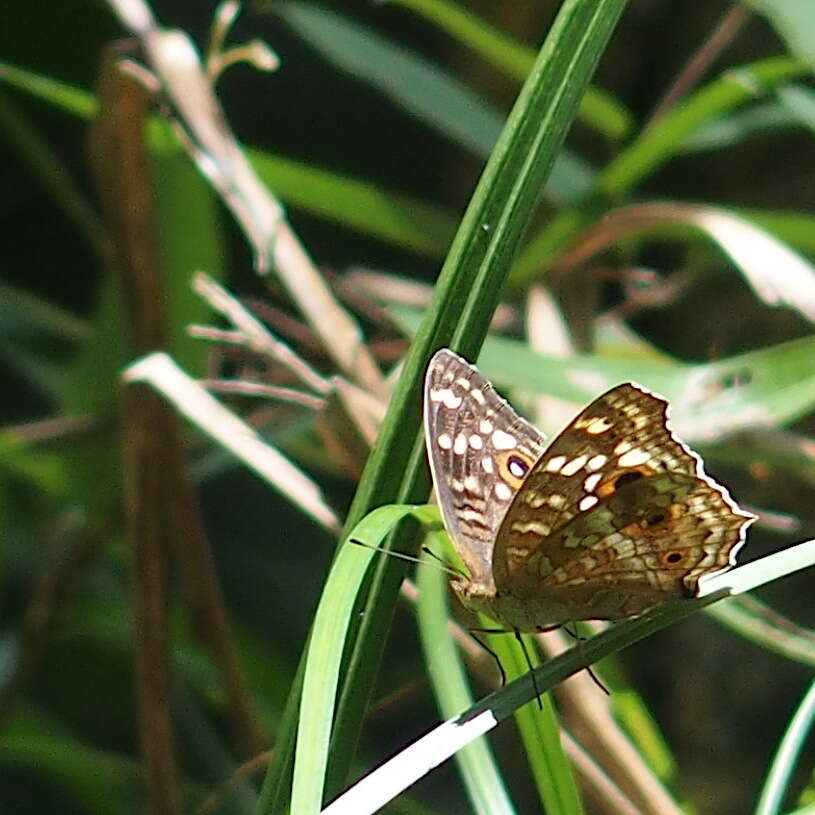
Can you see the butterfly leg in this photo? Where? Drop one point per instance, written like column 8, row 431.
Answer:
column 519, row 639
column 580, row 640
column 489, row 650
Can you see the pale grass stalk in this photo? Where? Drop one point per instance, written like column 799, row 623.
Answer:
column 394, row 290
column 549, row 335
column 365, row 409
column 176, row 66
column 588, row 711
column 200, row 407
column 258, row 338
column 242, row 387
column 609, row 797
column 777, row 275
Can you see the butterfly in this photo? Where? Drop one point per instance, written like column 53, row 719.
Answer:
column 615, row 516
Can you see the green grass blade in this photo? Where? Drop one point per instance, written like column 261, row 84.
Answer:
column 60, row 95
column 423, row 89
column 728, row 131
column 53, row 174
column 798, row 101
column 479, row 772
column 783, row 763
column 656, row 145
column 325, row 650
column 598, row 109
column 794, row 23
column 465, row 298
column 390, row 216
column 540, row 732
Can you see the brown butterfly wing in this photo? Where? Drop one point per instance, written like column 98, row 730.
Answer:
column 616, row 515
column 469, row 431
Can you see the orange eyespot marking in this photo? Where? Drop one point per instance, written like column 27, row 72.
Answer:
column 513, row 467
column 618, row 479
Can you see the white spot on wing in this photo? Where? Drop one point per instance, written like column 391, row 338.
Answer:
column 536, row 527
column 503, row 491
column 598, row 425
column 587, row 502
column 573, row 466
column 556, row 500
column 488, row 465
column 503, row 441
column 554, row 464
column 460, row 444
column 476, row 442
column 596, row 462
column 592, row 481
column 633, row 458
column 444, row 441
column 451, row 401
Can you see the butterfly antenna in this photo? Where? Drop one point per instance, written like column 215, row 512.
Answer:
column 410, row 558
column 444, row 564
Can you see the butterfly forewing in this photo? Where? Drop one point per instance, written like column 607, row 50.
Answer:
column 616, row 515
column 480, row 451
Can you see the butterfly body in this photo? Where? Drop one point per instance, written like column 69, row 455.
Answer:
column 613, row 517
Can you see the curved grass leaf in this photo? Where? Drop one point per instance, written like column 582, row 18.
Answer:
column 795, row 228
column 770, row 386
column 325, row 650
column 423, row 89
column 728, row 131
column 783, row 763
column 459, row 315
column 598, row 109
column 655, row 146
column 422, row 756
column 479, row 772
column 761, row 630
